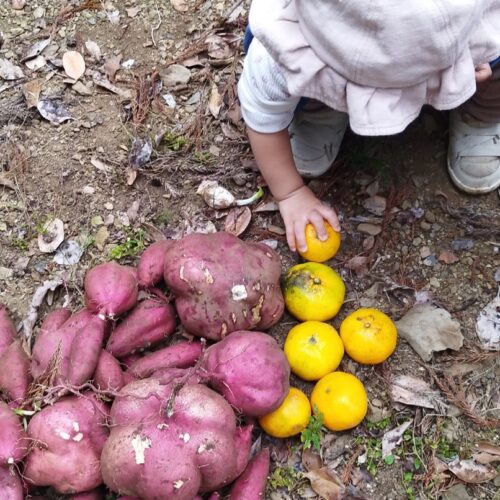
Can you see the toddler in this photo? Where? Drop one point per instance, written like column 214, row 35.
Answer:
column 313, row 67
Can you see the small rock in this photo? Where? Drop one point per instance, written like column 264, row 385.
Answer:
column 430, row 217
column 40, row 266
column 5, row 273
column 457, row 492
column 18, row 4
column 81, row 88
column 108, row 206
column 88, row 190
column 21, row 263
column 430, row 261
column 176, row 75
column 96, row 221
column 194, row 99
column 434, row 282
column 417, row 241
column 39, row 12
column 425, row 225
column 461, row 244
column 425, row 252
column 371, row 229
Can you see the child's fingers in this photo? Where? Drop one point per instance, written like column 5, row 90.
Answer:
column 331, row 217
column 300, row 235
column 483, row 73
column 290, row 236
column 317, row 220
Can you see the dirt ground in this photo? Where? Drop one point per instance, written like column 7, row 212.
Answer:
column 431, row 240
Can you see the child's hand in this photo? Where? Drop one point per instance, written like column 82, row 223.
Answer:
column 298, row 209
column 483, row 73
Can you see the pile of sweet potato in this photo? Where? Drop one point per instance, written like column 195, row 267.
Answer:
column 108, row 398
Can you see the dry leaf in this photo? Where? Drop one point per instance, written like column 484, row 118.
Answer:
column 276, row 229
column 368, row 243
column 429, row 329
column 31, row 91
column 448, row 257
column 267, row 206
column 52, row 236
column 311, row 460
column 234, row 114
column 179, row 5
column 111, row 66
column 36, row 63
column 9, row 71
column 154, row 232
column 36, row 49
column 103, row 82
column 368, row 228
column 416, row 392
column 230, row 132
column 101, row 237
column 73, row 64
column 93, row 50
column 488, row 325
column 133, row 11
column 375, row 205
column 486, row 453
column 326, row 484
column 393, row 438
column 358, row 264
column 237, row 220
column 373, row 188
column 218, row 48
column 472, row 472
column 100, row 165
column 215, row 101
column 131, row 175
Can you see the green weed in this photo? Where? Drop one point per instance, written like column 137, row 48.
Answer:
column 312, row 435
column 174, row 142
column 132, row 246
column 283, row 477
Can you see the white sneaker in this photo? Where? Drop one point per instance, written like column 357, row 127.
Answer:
column 315, row 137
column 474, row 154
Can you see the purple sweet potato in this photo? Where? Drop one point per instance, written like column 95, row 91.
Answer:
column 181, row 355
column 195, row 424
column 151, row 263
column 222, row 284
column 10, row 484
column 13, row 438
column 108, row 375
column 148, row 324
column 15, row 372
column 251, row 485
column 111, row 289
column 7, row 329
column 85, row 351
column 49, row 342
column 250, row 370
column 68, row 437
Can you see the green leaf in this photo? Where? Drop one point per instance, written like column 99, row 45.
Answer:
column 389, row 459
column 312, row 435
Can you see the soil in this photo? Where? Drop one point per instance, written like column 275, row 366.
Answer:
column 52, row 172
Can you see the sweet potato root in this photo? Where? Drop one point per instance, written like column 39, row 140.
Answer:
column 96, row 494
column 181, row 355
column 151, row 263
column 13, row 438
column 250, row 370
column 15, row 372
column 222, row 284
column 111, row 289
column 251, row 485
column 148, row 324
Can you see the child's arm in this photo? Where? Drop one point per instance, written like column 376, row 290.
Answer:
column 298, row 204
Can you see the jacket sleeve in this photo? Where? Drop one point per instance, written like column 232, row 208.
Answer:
column 266, row 105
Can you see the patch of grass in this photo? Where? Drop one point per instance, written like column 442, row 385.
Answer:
column 312, row 435
column 19, row 243
column 174, row 142
column 283, row 477
column 444, row 449
column 203, row 157
column 381, row 425
column 164, row 218
column 132, row 246
column 407, row 484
